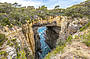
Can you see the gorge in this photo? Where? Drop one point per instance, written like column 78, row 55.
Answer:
column 27, row 32
column 55, row 33
column 40, row 39
column 39, row 43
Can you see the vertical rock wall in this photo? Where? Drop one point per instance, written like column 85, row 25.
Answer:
column 37, row 42
column 28, row 32
column 52, row 34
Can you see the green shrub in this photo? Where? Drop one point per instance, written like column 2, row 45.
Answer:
column 2, row 39
column 84, row 27
column 87, row 39
column 59, row 48
column 76, row 37
column 11, row 44
column 21, row 55
column 87, row 42
column 8, row 42
column 13, row 40
column 69, row 38
column 55, row 51
column 3, row 52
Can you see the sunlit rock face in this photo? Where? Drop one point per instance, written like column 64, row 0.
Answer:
column 56, row 34
column 29, row 35
column 11, row 52
column 29, row 40
column 15, row 43
column 69, row 26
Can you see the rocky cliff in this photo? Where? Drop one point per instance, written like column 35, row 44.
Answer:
column 16, row 45
column 69, row 26
column 25, row 42
column 76, row 48
column 52, row 34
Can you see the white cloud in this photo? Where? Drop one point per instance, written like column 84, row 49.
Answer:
column 49, row 3
column 23, row 2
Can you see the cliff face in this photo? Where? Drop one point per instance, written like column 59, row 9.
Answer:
column 74, row 49
column 16, row 45
column 69, row 26
column 37, row 42
column 52, row 34
column 29, row 35
column 65, row 26
column 26, row 39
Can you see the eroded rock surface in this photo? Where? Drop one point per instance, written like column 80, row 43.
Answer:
column 52, row 34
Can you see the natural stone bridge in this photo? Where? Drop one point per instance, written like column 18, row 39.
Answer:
column 57, row 26
column 30, row 30
column 52, row 21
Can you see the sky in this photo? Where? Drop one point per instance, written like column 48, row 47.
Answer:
column 49, row 3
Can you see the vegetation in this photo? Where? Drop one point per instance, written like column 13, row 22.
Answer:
column 86, row 38
column 57, row 7
column 55, row 51
column 4, row 53
column 87, row 41
column 59, row 48
column 69, row 38
column 21, row 55
column 79, row 10
column 84, row 27
column 2, row 39
column 14, row 14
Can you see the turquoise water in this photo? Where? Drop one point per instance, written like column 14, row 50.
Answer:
column 44, row 47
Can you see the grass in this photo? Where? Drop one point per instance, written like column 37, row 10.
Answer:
column 2, row 39
column 3, row 54
column 59, row 48
column 55, row 51
column 84, row 27
column 76, row 37
column 69, row 39
column 21, row 55
column 10, row 43
column 87, row 39
column 13, row 40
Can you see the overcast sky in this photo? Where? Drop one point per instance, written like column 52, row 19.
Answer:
column 49, row 3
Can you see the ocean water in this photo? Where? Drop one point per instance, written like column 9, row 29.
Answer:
column 44, row 47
